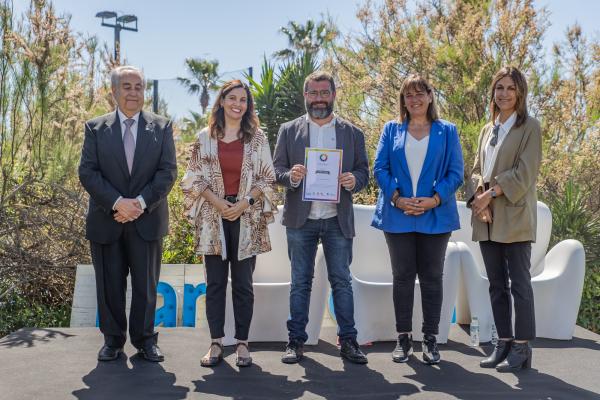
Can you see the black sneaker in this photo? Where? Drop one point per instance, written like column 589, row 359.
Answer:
column 350, row 351
column 404, row 348
column 293, row 352
column 431, row 354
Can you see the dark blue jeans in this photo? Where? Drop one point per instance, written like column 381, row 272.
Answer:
column 302, row 249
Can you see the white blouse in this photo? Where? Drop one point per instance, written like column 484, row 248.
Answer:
column 415, row 151
column 490, row 152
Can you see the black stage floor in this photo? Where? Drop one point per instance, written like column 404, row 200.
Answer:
column 60, row 363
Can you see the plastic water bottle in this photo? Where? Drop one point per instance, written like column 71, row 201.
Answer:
column 474, row 332
column 494, row 335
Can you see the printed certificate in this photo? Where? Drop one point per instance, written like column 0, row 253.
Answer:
column 323, row 168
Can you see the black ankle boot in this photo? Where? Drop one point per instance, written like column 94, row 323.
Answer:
column 519, row 357
column 498, row 355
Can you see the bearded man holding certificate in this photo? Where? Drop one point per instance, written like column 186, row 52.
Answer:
column 321, row 161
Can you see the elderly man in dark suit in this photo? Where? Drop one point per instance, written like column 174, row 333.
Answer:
column 128, row 168
column 308, row 222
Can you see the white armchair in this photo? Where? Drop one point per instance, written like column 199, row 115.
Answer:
column 272, row 281
column 372, row 284
column 557, row 280
column 557, row 290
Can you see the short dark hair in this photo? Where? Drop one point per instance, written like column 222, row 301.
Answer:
column 521, row 84
column 319, row 76
column 417, row 82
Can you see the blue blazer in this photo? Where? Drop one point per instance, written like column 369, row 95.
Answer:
column 442, row 173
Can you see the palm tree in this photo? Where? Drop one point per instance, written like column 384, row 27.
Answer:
column 203, row 78
column 191, row 125
column 278, row 93
column 308, row 38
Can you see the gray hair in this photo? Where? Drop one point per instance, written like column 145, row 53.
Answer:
column 117, row 73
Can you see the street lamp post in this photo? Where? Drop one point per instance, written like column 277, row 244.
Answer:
column 121, row 23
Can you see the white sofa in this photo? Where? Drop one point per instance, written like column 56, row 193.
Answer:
column 272, row 295
column 557, row 280
column 372, row 285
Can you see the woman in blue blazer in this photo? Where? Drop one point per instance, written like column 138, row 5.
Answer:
column 418, row 167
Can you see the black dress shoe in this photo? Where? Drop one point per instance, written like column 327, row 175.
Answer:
column 151, row 353
column 404, row 348
column 108, row 353
column 498, row 355
column 431, row 354
column 519, row 357
column 350, row 351
column 293, row 352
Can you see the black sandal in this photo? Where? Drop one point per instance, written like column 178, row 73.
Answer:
column 242, row 361
column 213, row 361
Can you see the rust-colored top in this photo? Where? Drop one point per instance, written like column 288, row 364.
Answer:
column 230, row 159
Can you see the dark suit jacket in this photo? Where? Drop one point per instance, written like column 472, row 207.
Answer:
column 104, row 174
column 292, row 139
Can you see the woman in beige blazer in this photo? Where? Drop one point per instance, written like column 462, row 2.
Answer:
column 504, row 207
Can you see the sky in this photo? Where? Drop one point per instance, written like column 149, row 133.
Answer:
column 238, row 33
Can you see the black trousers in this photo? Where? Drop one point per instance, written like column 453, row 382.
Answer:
column 217, row 271
column 504, row 261
column 112, row 263
column 417, row 254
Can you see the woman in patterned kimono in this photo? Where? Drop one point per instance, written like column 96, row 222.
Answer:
column 228, row 198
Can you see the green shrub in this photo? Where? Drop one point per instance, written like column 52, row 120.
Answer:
column 178, row 247
column 18, row 311
column 572, row 219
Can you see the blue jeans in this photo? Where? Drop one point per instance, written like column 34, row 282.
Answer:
column 302, row 248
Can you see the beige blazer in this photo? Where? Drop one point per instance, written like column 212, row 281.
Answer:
column 515, row 170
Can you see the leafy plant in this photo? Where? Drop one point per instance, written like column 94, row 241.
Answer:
column 278, row 94
column 572, row 218
column 18, row 311
column 203, row 76
column 308, row 38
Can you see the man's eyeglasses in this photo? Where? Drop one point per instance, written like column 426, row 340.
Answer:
column 323, row 93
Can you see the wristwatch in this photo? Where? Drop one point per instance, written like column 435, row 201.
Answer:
column 493, row 193
column 250, row 200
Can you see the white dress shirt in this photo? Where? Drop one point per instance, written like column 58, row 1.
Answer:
column 491, row 152
column 415, row 151
column 135, row 118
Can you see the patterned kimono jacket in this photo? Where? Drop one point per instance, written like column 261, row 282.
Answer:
column 204, row 172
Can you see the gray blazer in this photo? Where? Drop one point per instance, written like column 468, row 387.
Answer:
column 292, row 139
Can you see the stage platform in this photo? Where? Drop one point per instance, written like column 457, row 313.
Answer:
column 56, row 364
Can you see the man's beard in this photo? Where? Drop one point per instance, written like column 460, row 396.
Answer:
column 317, row 112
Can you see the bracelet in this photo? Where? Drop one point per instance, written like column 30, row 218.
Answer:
column 436, row 198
